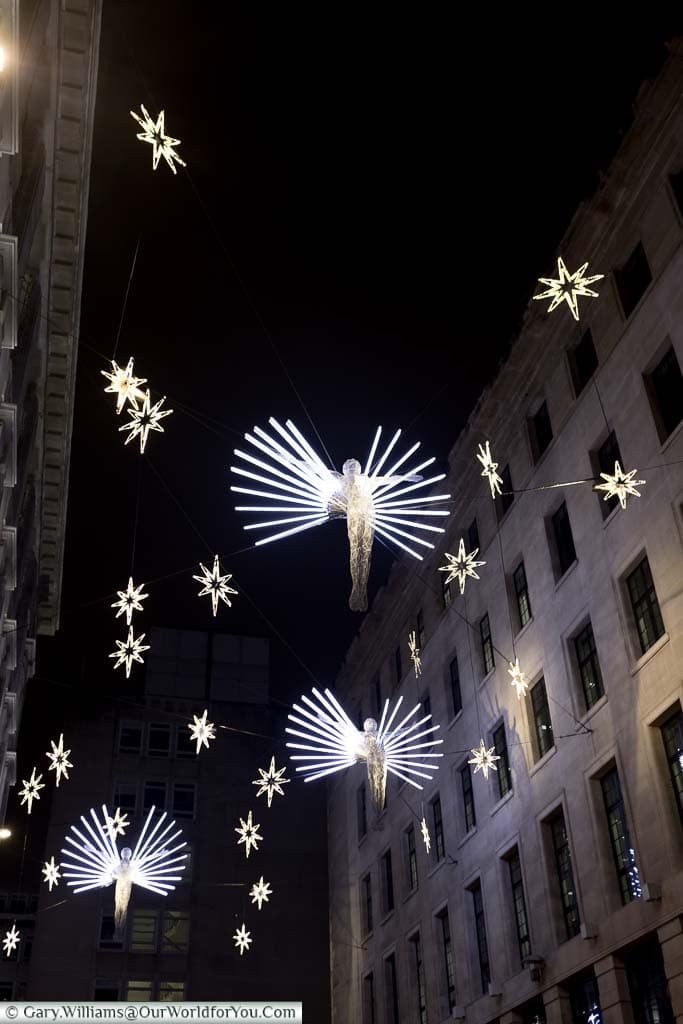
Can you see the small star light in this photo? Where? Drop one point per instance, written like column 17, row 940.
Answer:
column 145, row 419
column 249, row 833
column 483, row 759
column 163, row 144
column 59, row 758
column 461, row 566
column 414, row 653
column 129, row 600
column 11, row 941
column 51, row 873
column 117, row 825
column 202, row 731
column 124, row 385
column 567, row 287
column 215, row 584
column 619, row 485
column 242, row 939
column 518, row 679
column 260, row 891
column 425, row 834
column 30, row 791
column 271, row 781
column 489, row 469
column 129, row 651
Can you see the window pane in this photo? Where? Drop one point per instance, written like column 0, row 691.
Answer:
column 420, row 989
column 183, row 800
column 130, row 737
column 564, row 541
column 666, row 393
column 437, row 822
column 154, row 796
column 620, row 839
column 369, row 1008
column 503, row 775
column 565, row 876
column 469, row 814
column 391, row 990
column 184, row 745
column 583, row 362
column 171, row 991
column 482, row 944
column 522, row 595
column 143, row 932
column 473, row 535
column 411, row 858
column 456, row 695
column 584, row 1000
column 647, row 984
column 106, row 991
column 175, row 932
column 632, row 279
column 486, row 645
column 519, row 905
column 672, row 734
column 159, row 740
column 645, row 605
column 449, row 962
column 541, row 431
column 125, row 797
column 387, row 877
column 589, row 666
column 139, row 991
column 542, row 721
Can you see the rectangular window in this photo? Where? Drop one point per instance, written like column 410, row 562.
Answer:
column 487, row 658
column 175, row 932
column 387, row 882
column 665, row 390
column 377, row 697
column 109, row 938
column 184, row 745
column 398, row 667
column 480, row 931
column 126, row 797
column 369, row 1007
column 542, row 723
column 644, row 604
column 620, row 839
column 672, row 734
column 183, row 800
column 130, row 737
column 565, row 875
column 446, row 596
column 503, row 775
column 391, row 989
column 143, row 931
column 158, row 739
column 454, row 679
column 647, row 982
column 105, row 991
column 506, row 498
column 583, row 362
column 366, row 904
column 171, row 991
column 588, row 665
column 138, row 991
column 473, row 536
column 522, row 595
column 540, row 431
column 411, row 858
column 437, row 828
column 419, row 975
column 633, row 279
column 603, row 460
column 519, row 905
column 154, row 795
column 469, row 815
column 361, row 811
column 584, row 1000
column 420, row 630
column 564, row 541
column 448, row 958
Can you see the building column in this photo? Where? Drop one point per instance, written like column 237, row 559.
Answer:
column 556, row 1005
column 670, row 938
column 615, row 997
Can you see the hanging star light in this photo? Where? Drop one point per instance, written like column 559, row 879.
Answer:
column 117, row 825
column 129, row 600
column 145, row 419
column 51, row 873
column 489, row 469
column 619, row 484
column 483, row 759
column 59, row 758
column 567, row 287
column 129, row 651
column 242, row 939
column 11, row 940
column 249, row 833
column 202, row 731
column 414, row 653
column 271, row 781
column 461, row 566
column 260, row 891
column 155, row 133
column 424, row 827
column 518, row 679
column 152, row 864
column 333, row 743
column 30, row 791
column 215, row 584
column 124, row 385
column 304, row 493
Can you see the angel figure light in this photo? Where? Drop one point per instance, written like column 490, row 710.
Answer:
column 334, row 743
column 303, row 492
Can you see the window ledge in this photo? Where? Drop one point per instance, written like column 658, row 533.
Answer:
column 650, row 653
column 362, row 839
column 437, row 867
column 566, row 573
column 410, row 894
column 672, row 437
column 502, row 802
column 466, row 837
column 387, row 917
column 455, row 719
column 543, row 761
column 486, row 678
column 524, row 628
column 594, row 708
column 610, row 517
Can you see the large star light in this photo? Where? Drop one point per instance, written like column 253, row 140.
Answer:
column 30, row 791
column 414, row 653
column 129, row 600
column 215, row 584
column 490, row 469
column 619, row 484
column 271, row 781
column 116, row 825
column 260, row 891
column 333, row 743
column 249, row 833
column 461, row 566
column 424, row 828
column 202, row 731
column 129, row 651
column 11, row 940
column 124, row 385
column 155, row 133
column 51, row 873
column 145, row 419
column 242, row 939
column 302, row 492
column 484, row 759
column 518, row 679
column 567, row 287
column 60, row 759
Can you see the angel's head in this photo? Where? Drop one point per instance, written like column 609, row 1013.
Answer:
column 126, row 854
column 370, row 726
column 351, row 467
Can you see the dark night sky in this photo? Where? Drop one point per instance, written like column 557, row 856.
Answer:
column 389, row 184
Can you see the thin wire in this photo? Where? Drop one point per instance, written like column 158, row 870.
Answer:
column 125, row 299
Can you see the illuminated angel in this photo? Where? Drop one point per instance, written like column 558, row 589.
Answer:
column 303, row 492
column 334, row 743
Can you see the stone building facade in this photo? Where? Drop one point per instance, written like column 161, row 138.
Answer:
column 553, row 891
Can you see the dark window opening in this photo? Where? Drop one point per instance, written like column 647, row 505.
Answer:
column 583, row 362
column 391, row 989
column 454, row 678
column 437, row 822
column 564, row 540
column 584, row 1000
column 519, row 905
column 506, row 497
column 620, row 838
column 486, row 644
column 449, row 960
column 633, row 279
column 565, row 876
column 589, row 666
column 672, row 734
column 480, row 930
column 387, row 883
column 469, row 814
column 644, row 604
column 647, row 984
column 420, row 989
column 473, row 536
column 503, row 775
column 540, row 431
column 665, row 390
column 366, row 904
column 411, row 859
column 542, row 722
column 522, row 595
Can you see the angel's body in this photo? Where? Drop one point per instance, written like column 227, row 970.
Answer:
column 372, row 752
column 123, row 876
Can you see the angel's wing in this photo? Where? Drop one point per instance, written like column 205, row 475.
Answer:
column 390, row 490
column 93, row 859
column 405, row 756
column 155, row 863
column 332, row 738
column 296, row 481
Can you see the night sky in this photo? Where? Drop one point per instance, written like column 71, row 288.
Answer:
column 370, row 196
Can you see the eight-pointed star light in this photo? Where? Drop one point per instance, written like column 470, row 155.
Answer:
column 260, row 891
column 129, row 651
column 51, row 873
column 461, row 566
column 249, row 833
column 124, row 385
column 30, row 791
column 414, row 653
column 155, row 133
column 619, row 484
column 60, row 759
column 483, row 759
column 129, row 600
column 145, row 419
column 242, row 939
column 117, row 825
column 11, row 940
column 201, row 730
column 271, row 781
column 566, row 287
column 215, row 584
column 489, row 469
column 424, row 827
column 518, row 678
